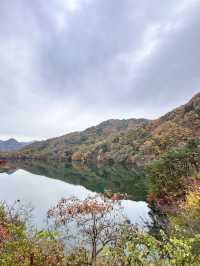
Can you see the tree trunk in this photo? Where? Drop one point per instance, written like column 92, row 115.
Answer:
column 94, row 243
column 94, row 253
column 31, row 259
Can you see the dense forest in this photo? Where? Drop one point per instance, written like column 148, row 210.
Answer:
column 132, row 141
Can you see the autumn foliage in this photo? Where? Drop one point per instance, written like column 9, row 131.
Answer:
column 97, row 220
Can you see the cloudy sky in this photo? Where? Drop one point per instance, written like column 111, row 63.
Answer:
column 69, row 64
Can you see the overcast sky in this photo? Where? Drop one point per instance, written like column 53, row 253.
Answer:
column 68, row 64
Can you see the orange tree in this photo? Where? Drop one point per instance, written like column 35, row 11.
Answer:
column 96, row 219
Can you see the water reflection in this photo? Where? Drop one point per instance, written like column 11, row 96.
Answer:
column 43, row 184
column 118, row 178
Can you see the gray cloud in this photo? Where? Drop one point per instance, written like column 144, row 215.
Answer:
column 70, row 64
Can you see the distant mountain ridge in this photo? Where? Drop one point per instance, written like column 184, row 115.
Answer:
column 12, row 145
column 133, row 141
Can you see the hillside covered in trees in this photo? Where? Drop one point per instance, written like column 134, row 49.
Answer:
column 134, row 141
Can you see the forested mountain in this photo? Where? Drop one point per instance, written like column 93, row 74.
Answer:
column 66, row 146
column 134, row 141
column 11, row 145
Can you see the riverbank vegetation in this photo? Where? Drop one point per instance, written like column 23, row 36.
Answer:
column 173, row 175
column 107, row 240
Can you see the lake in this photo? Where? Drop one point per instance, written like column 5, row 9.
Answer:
column 43, row 184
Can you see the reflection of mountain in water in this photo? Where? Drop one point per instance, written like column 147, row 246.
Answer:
column 7, row 167
column 118, row 178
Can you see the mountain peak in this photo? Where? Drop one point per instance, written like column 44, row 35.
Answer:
column 11, row 145
column 12, row 140
column 196, row 96
column 193, row 105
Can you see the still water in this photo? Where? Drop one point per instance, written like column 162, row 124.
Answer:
column 42, row 185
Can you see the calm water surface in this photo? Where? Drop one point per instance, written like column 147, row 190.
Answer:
column 42, row 185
